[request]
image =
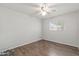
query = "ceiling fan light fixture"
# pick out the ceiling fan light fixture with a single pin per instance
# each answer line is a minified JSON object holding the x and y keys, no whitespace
{"x":43,"y":13}
{"x":44,"y":9}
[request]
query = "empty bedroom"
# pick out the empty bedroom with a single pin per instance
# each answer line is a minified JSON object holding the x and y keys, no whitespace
{"x":39,"y":29}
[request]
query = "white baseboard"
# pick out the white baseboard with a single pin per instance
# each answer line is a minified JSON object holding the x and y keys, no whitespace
{"x":64,"y":43}
{"x":27,"y":42}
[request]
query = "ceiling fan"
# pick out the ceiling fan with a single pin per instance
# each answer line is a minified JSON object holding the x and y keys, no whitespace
{"x":44,"y":9}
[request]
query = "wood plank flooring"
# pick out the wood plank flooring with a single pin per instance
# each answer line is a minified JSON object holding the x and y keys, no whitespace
{"x":46,"y":48}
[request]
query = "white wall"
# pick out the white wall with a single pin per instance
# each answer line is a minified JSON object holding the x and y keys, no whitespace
{"x":17,"y":29}
{"x":69,"y":35}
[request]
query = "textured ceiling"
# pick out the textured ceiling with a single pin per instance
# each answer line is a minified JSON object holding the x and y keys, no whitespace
{"x":33,"y":9}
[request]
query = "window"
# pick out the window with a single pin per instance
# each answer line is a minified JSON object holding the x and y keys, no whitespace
{"x":55,"y":27}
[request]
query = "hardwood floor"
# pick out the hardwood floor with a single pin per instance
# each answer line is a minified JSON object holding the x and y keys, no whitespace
{"x":46,"y":48}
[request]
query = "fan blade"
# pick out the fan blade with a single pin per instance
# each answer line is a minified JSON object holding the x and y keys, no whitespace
{"x":31,"y":4}
{"x":51,"y":5}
